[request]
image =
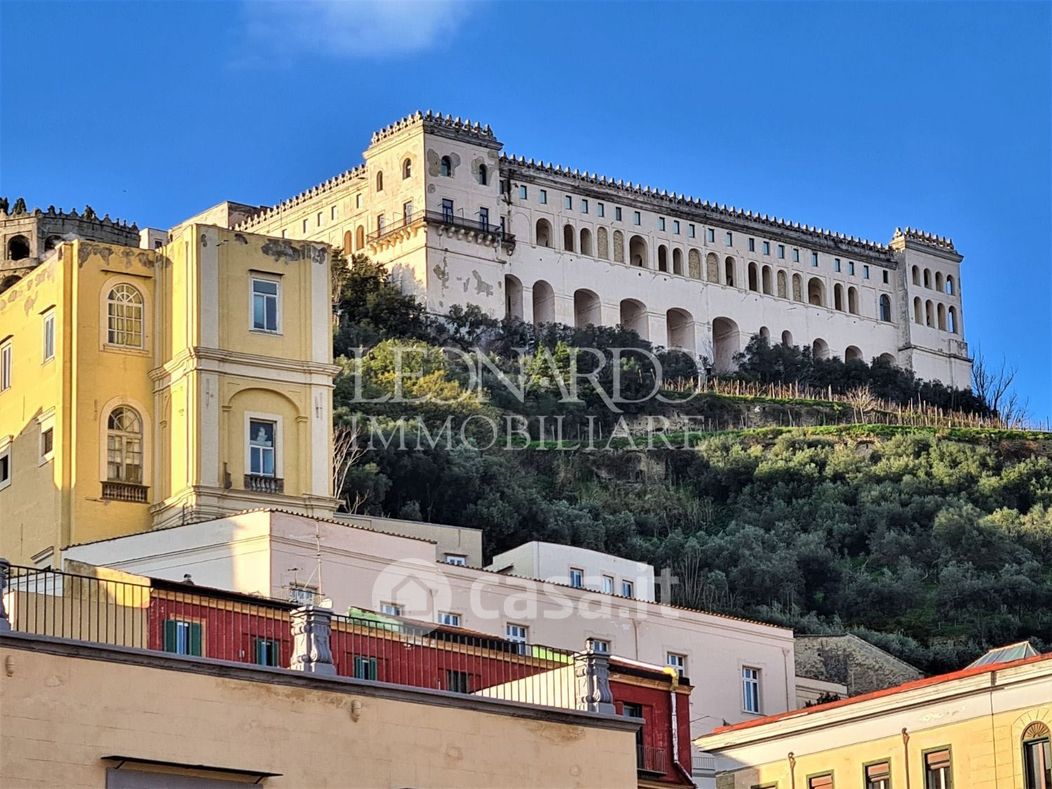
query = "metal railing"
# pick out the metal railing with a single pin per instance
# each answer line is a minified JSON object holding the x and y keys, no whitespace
{"x":124,"y":491}
{"x":261,"y":483}
{"x":179,"y":619}
{"x":495,"y":231}
{"x":399,"y":224}
{"x":651,"y":760}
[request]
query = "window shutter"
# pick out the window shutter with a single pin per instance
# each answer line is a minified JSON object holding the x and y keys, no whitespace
{"x":195,"y":639}
{"x":170,"y":636}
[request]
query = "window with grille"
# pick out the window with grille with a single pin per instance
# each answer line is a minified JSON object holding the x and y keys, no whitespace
{"x":124,"y":446}
{"x":124,"y":316}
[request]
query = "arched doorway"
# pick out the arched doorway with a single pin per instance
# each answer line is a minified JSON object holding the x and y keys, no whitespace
{"x":587,"y":310}
{"x":679,"y":325}
{"x":634,"y":317}
{"x":543,"y":302}
{"x":726,"y":342}
{"x":512,"y":297}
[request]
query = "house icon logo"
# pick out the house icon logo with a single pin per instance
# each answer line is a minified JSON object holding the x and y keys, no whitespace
{"x":416,"y":587}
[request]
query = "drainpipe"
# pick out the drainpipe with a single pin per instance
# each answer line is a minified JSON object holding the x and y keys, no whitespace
{"x":906,"y":754}
{"x":792,"y":770}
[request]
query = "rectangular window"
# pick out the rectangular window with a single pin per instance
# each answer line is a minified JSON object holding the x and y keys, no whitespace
{"x":484,"y":218}
{"x":524,"y":193}
{"x":750,"y":689}
{"x":318,"y":219}
{"x":710,"y":235}
{"x":381,"y":224}
{"x":5,"y":466}
{"x":814,"y":259}
{"x":628,"y":589}
{"x":304,"y":225}
{"x":617,"y":213}
{"x":781,"y":251}
{"x":576,"y":577}
{"x":568,"y":202}
{"x":365,"y":667}
{"x":332,"y":212}
{"x":447,"y":209}
{"x":637,"y":218}
{"x":265,"y":305}
{"x":358,"y":201}
{"x":600,"y":209}
{"x":407,"y":212}
{"x":851,"y":267}
{"x":458,"y":681}
{"x":5,"y":366}
{"x":261,"y":447}
{"x":938,"y":769}
{"x":608,"y":584}
{"x":390,"y":609}
{"x":517,"y":634}
{"x":796,"y":255}
{"x":584,"y":205}
{"x":182,"y":638}
{"x":678,"y":662}
{"x":691,"y":231}
{"x":729,"y":239}
{"x":47,"y":444}
{"x":865,"y":272}
{"x":752,"y":244}
{"x":820,"y":781}
{"x":767,"y":247}
{"x":458,"y":559}
{"x":49,"y":336}
{"x":661,"y":223}
{"x":600,"y":645}
{"x":675,"y":227}
{"x":836,"y":264}
{"x":265,"y":651}
{"x":878,"y":776}
{"x":448,"y":618}
{"x":542,"y":197}
{"x":885,"y":277}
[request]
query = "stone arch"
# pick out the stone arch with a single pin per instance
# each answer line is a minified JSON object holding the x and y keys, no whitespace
{"x":798,"y":288}
{"x":587,"y":310}
{"x":853,"y":354}
{"x":884,"y":308}
{"x":379,"y":180}
{"x":712,"y":267}
{"x":633,"y":315}
{"x":783,"y":285}
{"x":940,"y":312}
{"x":916,"y":275}
{"x":543,"y":236}
{"x":787,"y":338}
{"x":765,"y":333}
{"x":543,"y":302}
{"x":619,"y":247}
{"x":816,"y":292}
{"x":662,"y":257}
{"x":765,"y":280}
{"x":887,"y":358}
{"x":927,"y":278}
{"x":679,"y":326}
{"x":694,"y":264}
{"x":407,"y":168}
{"x":949,"y":285}
{"x":820,"y":349}
{"x":348,"y":242}
{"x":918,"y":311}
{"x":17,"y":247}
{"x":602,"y":242}
{"x":951,"y":321}
{"x":852,"y":300}
{"x":753,"y":277}
{"x":359,"y":238}
{"x":940,"y":282}
{"x":728,"y":267}
{"x":726,"y":343}
{"x":637,"y":252}
{"x":483,"y":175}
{"x":445,"y":167}
{"x":512,"y":297}
{"x":586,"y":241}
{"x":838,"y":297}
{"x":929,"y":313}
{"x":568,"y":237}
{"x":677,"y":261}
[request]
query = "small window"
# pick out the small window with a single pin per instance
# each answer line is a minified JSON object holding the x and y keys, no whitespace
{"x":637,"y":218}
{"x":358,"y":200}
{"x":599,"y":645}
{"x":938,"y":769}
{"x":5,"y":466}
{"x":261,"y":447}
{"x":407,"y":169}
{"x":678,"y":662}
{"x":617,"y":213}
{"x":5,"y":366}
{"x":380,"y":181}
{"x":752,"y":244}
{"x":767,"y":247}
{"x":820,"y":781}
{"x":445,"y":166}
{"x":691,"y":231}
{"x":265,"y":651}
{"x":885,"y":276}
{"x":124,"y":315}
{"x":407,"y":213}
{"x":518,"y":634}
{"x":333,"y":212}
{"x":49,"y":336}
{"x":796,"y":255}
{"x":836,"y":265}
{"x":523,"y":192}
{"x":608,"y":584}
{"x":183,"y":638}
{"x":484,"y":218}
{"x":814,"y":259}
{"x":728,"y":238}
{"x":576,"y":577}
{"x":710,"y":234}
{"x":381,"y":224}
{"x":628,"y":589}
{"x":851,"y":267}
{"x":885,"y":308}
{"x":600,"y":209}
{"x":365,"y":667}
{"x":661,"y":223}
{"x":47,"y":444}
{"x":751,"y":689}
{"x":542,"y":197}
{"x":675,"y":227}
{"x":447,"y":209}
{"x":584,"y":205}
{"x":458,"y":559}
{"x":265,"y":305}
{"x":317,"y":220}
{"x":458,"y":681}
{"x":390,"y":609}
{"x":483,"y":175}
{"x":865,"y":272}
{"x":448,"y":618}
{"x":304,"y":225}
{"x":781,"y":251}
{"x":567,"y":202}
{"x":878,"y":776}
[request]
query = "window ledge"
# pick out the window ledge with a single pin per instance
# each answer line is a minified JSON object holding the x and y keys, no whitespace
{"x":267,"y":332}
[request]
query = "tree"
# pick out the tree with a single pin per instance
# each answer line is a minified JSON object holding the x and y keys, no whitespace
{"x":993,"y":385}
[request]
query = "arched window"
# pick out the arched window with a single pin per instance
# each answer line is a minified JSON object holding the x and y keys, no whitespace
{"x":929,"y":313}
{"x":694,"y":264}
{"x":949,"y":285}
{"x":586,"y":241}
{"x":602,"y":243}
{"x":916,"y":276}
{"x":816,"y":292}
{"x":124,"y":316}
{"x":885,"y":308}
{"x":347,"y":242}
{"x":637,"y":252}
{"x":662,"y":257}
{"x":407,"y":169}
{"x":853,"y":354}
{"x":753,"y":279}
{"x":852,"y":300}
{"x":544,"y":233}
{"x":927,"y":277}
{"x":783,"y":285}
{"x":787,"y":338}
{"x":17,"y":248}
{"x":728,"y":265}
{"x":445,"y":166}
{"x":838,"y":297}
{"x":124,"y":446}
{"x":798,"y":288}
{"x":918,"y":310}
{"x":677,"y":261}
{"x":359,"y":237}
{"x":765,"y":280}
{"x":952,"y":321}
{"x":940,"y":285}
{"x":941,"y":312}
{"x":765,"y":333}
{"x":1037,"y":757}
{"x":820,"y":349}
{"x":712,"y":267}
{"x":568,"y":236}
{"x":483,"y":174}
{"x":619,"y":247}
{"x":380,"y":181}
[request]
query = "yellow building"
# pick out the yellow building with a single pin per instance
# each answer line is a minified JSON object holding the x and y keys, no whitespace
{"x":142,"y":388}
{"x":979,"y":728}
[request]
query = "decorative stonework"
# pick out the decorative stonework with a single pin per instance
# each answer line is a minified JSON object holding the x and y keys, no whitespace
{"x":592,"y":674}
{"x":303,"y":197}
{"x":444,"y":125}
{"x":311,"y":628}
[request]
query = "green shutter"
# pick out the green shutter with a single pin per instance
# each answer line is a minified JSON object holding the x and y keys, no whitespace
{"x":170,"y":636}
{"x":195,"y":638}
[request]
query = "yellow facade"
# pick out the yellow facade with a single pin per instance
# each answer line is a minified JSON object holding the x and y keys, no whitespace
{"x":980,"y":718}
{"x":156,"y":374}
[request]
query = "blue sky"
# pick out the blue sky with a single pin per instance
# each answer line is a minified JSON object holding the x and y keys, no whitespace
{"x":858,"y":117}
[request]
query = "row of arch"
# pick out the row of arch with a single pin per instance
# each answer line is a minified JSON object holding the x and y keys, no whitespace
{"x":19,"y":248}
{"x":935,"y":316}
{"x":445,"y":167}
{"x":924,"y":278}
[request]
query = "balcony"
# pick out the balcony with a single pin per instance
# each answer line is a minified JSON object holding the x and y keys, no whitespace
{"x":651,"y":760}
{"x":486,"y":230}
{"x":403,"y":223}
{"x":124,"y":491}
{"x":258,"y":483}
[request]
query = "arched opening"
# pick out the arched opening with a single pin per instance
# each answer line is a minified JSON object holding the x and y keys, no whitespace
{"x":543,"y":302}
{"x":124,"y":450}
{"x":927,"y":277}
{"x":754,"y":280}
{"x":916,"y":276}
{"x":852,"y":300}
{"x":634,"y":317}
{"x":765,"y":333}
{"x":586,"y":309}
{"x":359,"y":237}
{"x":348,"y":242}
{"x":586,"y":241}
{"x":885,"y":308}
{"x":728,"y":268}
{"x":940,"y":283}
{"x":52,"y":242}
{"x":124,"y":316}
{"x":853,"y":354}
{"x":679,"y":325}
{"x":726,"y":342}
{"x":544,"y":233}
{"x":820,"y":349}
{"x":952,"y":320}
{"x":712,"y":267}
{"x":1037,"y":756}
{"x":512,"y":297}
{"x":787,"y":338}
{"x":887,"y":358}
{"x":949,"y":285}
{"x":602,"y":242}
{"x":694,"y":264}
{"x":918,"y":312}
{"x":407,"y":169}
{"x":816,"y":292}
{"x":929,"y":313}
{"x":483,"y":175}
{"x":783,"y":285}
{"x":380,"y":181}
{"x":662,"y":257}
{"x":798,"y":288}
{"x":445,"y":166}
{"x":941,"y":313}
{"x":765,"y":280}
{"x":619,"y":247}
{"x":637,"y":252}
{"x":838,"y":297}
{"x":17,"y":248}
{"x":677,"y":261}
{"x":568,"y":237}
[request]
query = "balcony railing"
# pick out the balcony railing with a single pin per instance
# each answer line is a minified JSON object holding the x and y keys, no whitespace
{"x":258,"y":483}
{"x":397,"y":225}
{"x":651,"y":760}
{"x":124,"y":491}
{"x":485,"y":227}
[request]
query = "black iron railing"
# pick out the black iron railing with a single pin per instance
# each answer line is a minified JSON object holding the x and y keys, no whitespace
{"x":483,"y":226}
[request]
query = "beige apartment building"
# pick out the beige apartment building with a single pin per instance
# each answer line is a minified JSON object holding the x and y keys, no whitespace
{"x":458,"y":221}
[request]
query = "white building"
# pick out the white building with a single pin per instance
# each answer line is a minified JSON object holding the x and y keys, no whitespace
{"x":459,"y":222}
{"x":578,"y":567}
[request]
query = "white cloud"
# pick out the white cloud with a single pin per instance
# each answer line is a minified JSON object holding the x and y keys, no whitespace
{"x":349,"y":28}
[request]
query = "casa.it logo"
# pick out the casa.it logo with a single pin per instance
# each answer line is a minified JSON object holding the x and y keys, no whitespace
{"x":415,"y":587}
